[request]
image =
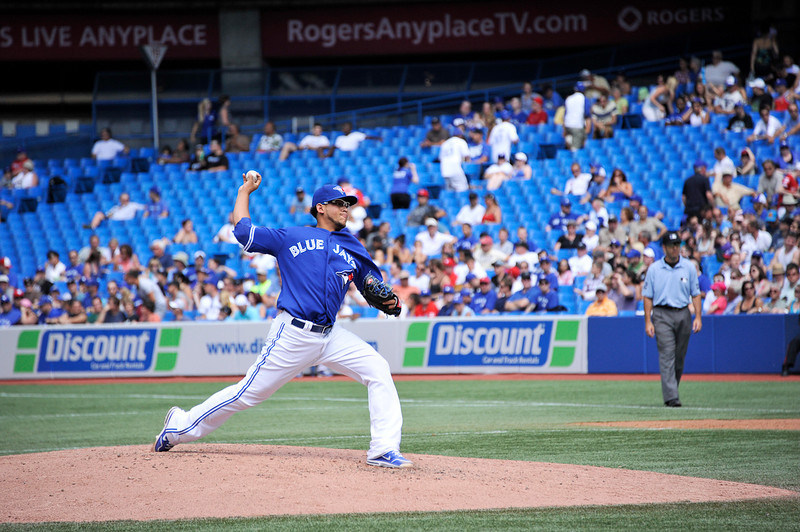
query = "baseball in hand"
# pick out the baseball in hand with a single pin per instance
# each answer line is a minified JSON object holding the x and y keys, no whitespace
{"x":253,"y":176}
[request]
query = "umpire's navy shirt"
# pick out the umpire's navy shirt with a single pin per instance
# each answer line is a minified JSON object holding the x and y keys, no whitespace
{"x":671,"y":286}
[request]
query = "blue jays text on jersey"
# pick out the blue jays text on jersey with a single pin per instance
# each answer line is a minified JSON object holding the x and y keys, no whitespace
{"x":316,"y":266}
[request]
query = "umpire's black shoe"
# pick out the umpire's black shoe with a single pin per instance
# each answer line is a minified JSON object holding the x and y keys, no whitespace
{"x":673,"y":403}
{"x":785,"y":371}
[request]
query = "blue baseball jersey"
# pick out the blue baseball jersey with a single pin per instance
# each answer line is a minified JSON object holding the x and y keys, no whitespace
{"x":559,"y":221}
{"x":481,"y":301}
{"x":546,"y":301}
{"x":401,"y":180}
{"x":317,"y":266}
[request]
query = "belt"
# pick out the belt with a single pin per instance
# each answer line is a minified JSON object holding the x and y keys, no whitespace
{"x":667,"y":307}
{"x":313,"y":327}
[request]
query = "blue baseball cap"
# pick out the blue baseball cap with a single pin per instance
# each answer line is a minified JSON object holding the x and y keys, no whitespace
{"x":757,"y":255}
{"x":565,"y":201}
{"x":448,"y":290}
{"x":580,"y":86}
{"x":633,"y":254}
{"x":425,"y":293}
{"x":470,"y":276}
{"x":505,"y":115}
{"x":465,"y":292}
{"x":5,"y":299}
{"x":326,"y":193}
{"x":44,"y":300}
{"x":458,"y":299}
{"x":698,"y":164}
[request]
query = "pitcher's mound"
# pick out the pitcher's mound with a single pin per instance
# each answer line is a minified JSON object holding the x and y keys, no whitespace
{"x":210,"y":480}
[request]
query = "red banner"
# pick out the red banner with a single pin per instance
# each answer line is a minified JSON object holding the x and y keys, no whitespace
{"x":103,"y":37}
{"x":458,"y":27}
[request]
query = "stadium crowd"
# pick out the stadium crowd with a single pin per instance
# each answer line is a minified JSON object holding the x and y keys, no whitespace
{"x":748,"y":235}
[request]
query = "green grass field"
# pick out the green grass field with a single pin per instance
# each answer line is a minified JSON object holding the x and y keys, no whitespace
{"x":518,"y":420}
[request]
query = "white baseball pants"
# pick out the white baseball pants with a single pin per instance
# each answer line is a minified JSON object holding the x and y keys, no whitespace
{"x":288,"y":350}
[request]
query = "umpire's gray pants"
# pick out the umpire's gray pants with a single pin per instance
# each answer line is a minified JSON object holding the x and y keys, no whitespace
{"x":673,"y":329}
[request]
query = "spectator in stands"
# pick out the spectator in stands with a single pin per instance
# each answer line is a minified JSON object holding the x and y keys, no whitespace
{"x":523,"y":298}
{"x":658,"y":104}
{"x":402,"y":178}
{"x":465,"y":114}
{"x":696,"y":114}
{"x":783,"y":97}
{"x":696,"y":194}
{"x":747,"y":162}
{"x":728,"y":194}
{"x":719,"y":300}
{"x":761,"y":97}
{"x":207,"y":300}
{"x":107,"y":148}
{"x":577,"y":185}
{"x":521,"y":169}
{"x":493,"y":213}
{"x":576,"y":122}
{"x":596,"y":187}
{"x":301,"y":202}
{"x":546,"y":299}
{"x":788,"y":161}
{"x":436,"y":135}
{"x":478,"y":149}
{"x":598,"y":213}
{"x":537,"y":114}
{"x":155,"y":207}
{"x":148,"y":290}
{"x":216,"y":160}
{"x":423,"y":210}
{"x":426,"y":308}
{"x":126,"y":259}
{"x":237,"y":142}
{"x":596,"y":85}
{"x":453,"y":153}
{"x":570,"y":239}
{"x":54,"y":269}
{"x":315,"y":141}
{"x":741,"y":119}
{"x":604,"y":117}
{"x":349,"y":140}
{"x":528,"y":96}
{"x":581,"y":263}
{"x":768,"y":128}
{"x":26,"y":178}
{"x":503,"y":136}
{"x":9,"y":314}
{"x":198,"y":161}
{"x":179,"y":155}
{"x":205,"y":127}
{"x":750,"y":302}
{"x":717,"y":73}
{"x":723,"y":164}
{"x":551,"y":100}
{"x":271,"y":140}
{"x":484,"y":299}
{"x":498,"y":172}
{"x":602,"y":305}
{"x":19,"y":161}
{"x":619,"y":188}
{"x":518,"y":115}
{"x":432,"y":239}
{"x":770,"y":181}
{"x":792,"y":124}
{"x":487,"y":254}
{"x":486,"y":118}
{"x":472,"y":213}
{"x":186,"y":234}
{"x":726,"y":101}
{"x":613,"y":232}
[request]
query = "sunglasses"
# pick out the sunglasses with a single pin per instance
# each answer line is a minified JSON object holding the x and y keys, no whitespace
{"x":338,"y":203}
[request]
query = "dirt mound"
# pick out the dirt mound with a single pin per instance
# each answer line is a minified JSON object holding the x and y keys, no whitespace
{"x":209,"y":480}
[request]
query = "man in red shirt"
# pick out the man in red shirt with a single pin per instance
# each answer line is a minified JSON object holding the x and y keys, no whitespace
{"x":537,"y":115}
{"x":18,"y":163}
{"x":426,"y":308}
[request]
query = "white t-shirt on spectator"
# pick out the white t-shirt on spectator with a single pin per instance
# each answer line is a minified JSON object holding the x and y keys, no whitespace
{"x":452,"y":153}
{"x":500,"y":139}
{"x":313,"y":142}
{"x":575,"y":111}
{"x":716,"y":75}
{"x":23,"y":179}
{"x":54,"y":273}
{"x":349,"y":142}
{"x":209,"y":307}
{"x":432,"y":245}
{"x":772,"y":125}
{"x":725,"y":166}
{"x":104,"y":150}
{"x":471,"y":215}
{"x":121,"y":213}
{"x":505,"y":168}
{"x":147,"y":287}
{"x":578,"y":186}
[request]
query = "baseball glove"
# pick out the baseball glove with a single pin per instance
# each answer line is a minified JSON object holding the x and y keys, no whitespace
{"x":378,"y":294}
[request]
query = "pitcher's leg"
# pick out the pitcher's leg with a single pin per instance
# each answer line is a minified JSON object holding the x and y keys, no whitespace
{"x":285,"y":353}
{"x":352,"y":356}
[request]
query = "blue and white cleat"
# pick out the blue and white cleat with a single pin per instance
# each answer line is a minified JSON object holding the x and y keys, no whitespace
{"x":162,"y":441}
{"x":391,"y":459}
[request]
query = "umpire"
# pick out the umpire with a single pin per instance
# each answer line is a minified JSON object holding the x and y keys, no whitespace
{"x":669,"y":286}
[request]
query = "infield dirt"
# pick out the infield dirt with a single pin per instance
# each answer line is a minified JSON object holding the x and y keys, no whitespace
{"x":214,"y":480}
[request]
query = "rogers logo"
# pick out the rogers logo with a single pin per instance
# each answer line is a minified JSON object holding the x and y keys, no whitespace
{"x":629,"y":19}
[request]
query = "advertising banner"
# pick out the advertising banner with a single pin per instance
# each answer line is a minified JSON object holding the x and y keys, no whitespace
{"x":481,"y":26}
{"x":530,"y":344}
{"x":102,"y":37}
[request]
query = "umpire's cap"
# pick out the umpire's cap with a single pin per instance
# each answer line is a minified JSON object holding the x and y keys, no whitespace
{"x":326,"y":193}
{"x":670,"y":238}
